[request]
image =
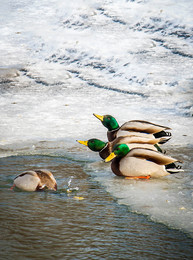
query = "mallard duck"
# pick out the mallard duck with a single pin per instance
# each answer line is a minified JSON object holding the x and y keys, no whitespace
{"x":141,"y":163}
{"x":105,"y":148}
{"x":35,"y":180}
{"x":133,"y":127}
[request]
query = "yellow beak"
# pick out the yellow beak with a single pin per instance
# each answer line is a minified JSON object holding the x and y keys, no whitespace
{"x":83,"y":142}
{"x":110,"y":157}
{"x":99,"y":117}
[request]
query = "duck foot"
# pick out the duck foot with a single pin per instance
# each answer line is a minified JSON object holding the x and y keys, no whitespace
{"x":12,"y":187}
{"x":138,"y":177}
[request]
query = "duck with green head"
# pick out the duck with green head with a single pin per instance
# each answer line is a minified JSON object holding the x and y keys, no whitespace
{"x":97,"y":145}
{"x":133,"y":127}
{"x":139,"y":163}
{"x":105,"y":148}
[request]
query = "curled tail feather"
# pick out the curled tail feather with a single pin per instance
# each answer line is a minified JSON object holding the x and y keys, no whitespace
{"x":173,"y":168}
{"x":162,"y":134}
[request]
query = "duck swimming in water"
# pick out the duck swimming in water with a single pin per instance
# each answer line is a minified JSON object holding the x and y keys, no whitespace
{"x":35,"y":180}
{"x":105,"y":148}
{"x":133,"y":127}
{"x":141,"y":163}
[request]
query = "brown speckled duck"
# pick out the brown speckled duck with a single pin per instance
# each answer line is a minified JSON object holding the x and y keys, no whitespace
{"x":35,"y":180}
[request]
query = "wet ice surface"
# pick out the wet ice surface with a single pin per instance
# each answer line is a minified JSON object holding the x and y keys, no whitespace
{"x":60,"y":62}
{"x":167,"y":200}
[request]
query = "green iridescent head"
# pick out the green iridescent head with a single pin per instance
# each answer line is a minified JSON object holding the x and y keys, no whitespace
{"x":108,"y":121}
{"x":119,"y":150}
{"x":94,"y":144}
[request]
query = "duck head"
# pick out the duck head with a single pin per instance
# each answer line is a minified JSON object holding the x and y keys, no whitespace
{"x":93,"y":144}
{"x":108,"y":121}
{"x":119,"y":150}
{"x":47,"y":180}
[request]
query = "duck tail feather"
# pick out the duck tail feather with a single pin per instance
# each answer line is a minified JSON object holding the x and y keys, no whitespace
{"x":162,"y":134}
{"x":173,"y":168}
{"x":164,"y":140}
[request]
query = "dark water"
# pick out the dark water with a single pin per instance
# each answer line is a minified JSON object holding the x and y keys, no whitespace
{"x":58,"y":225}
